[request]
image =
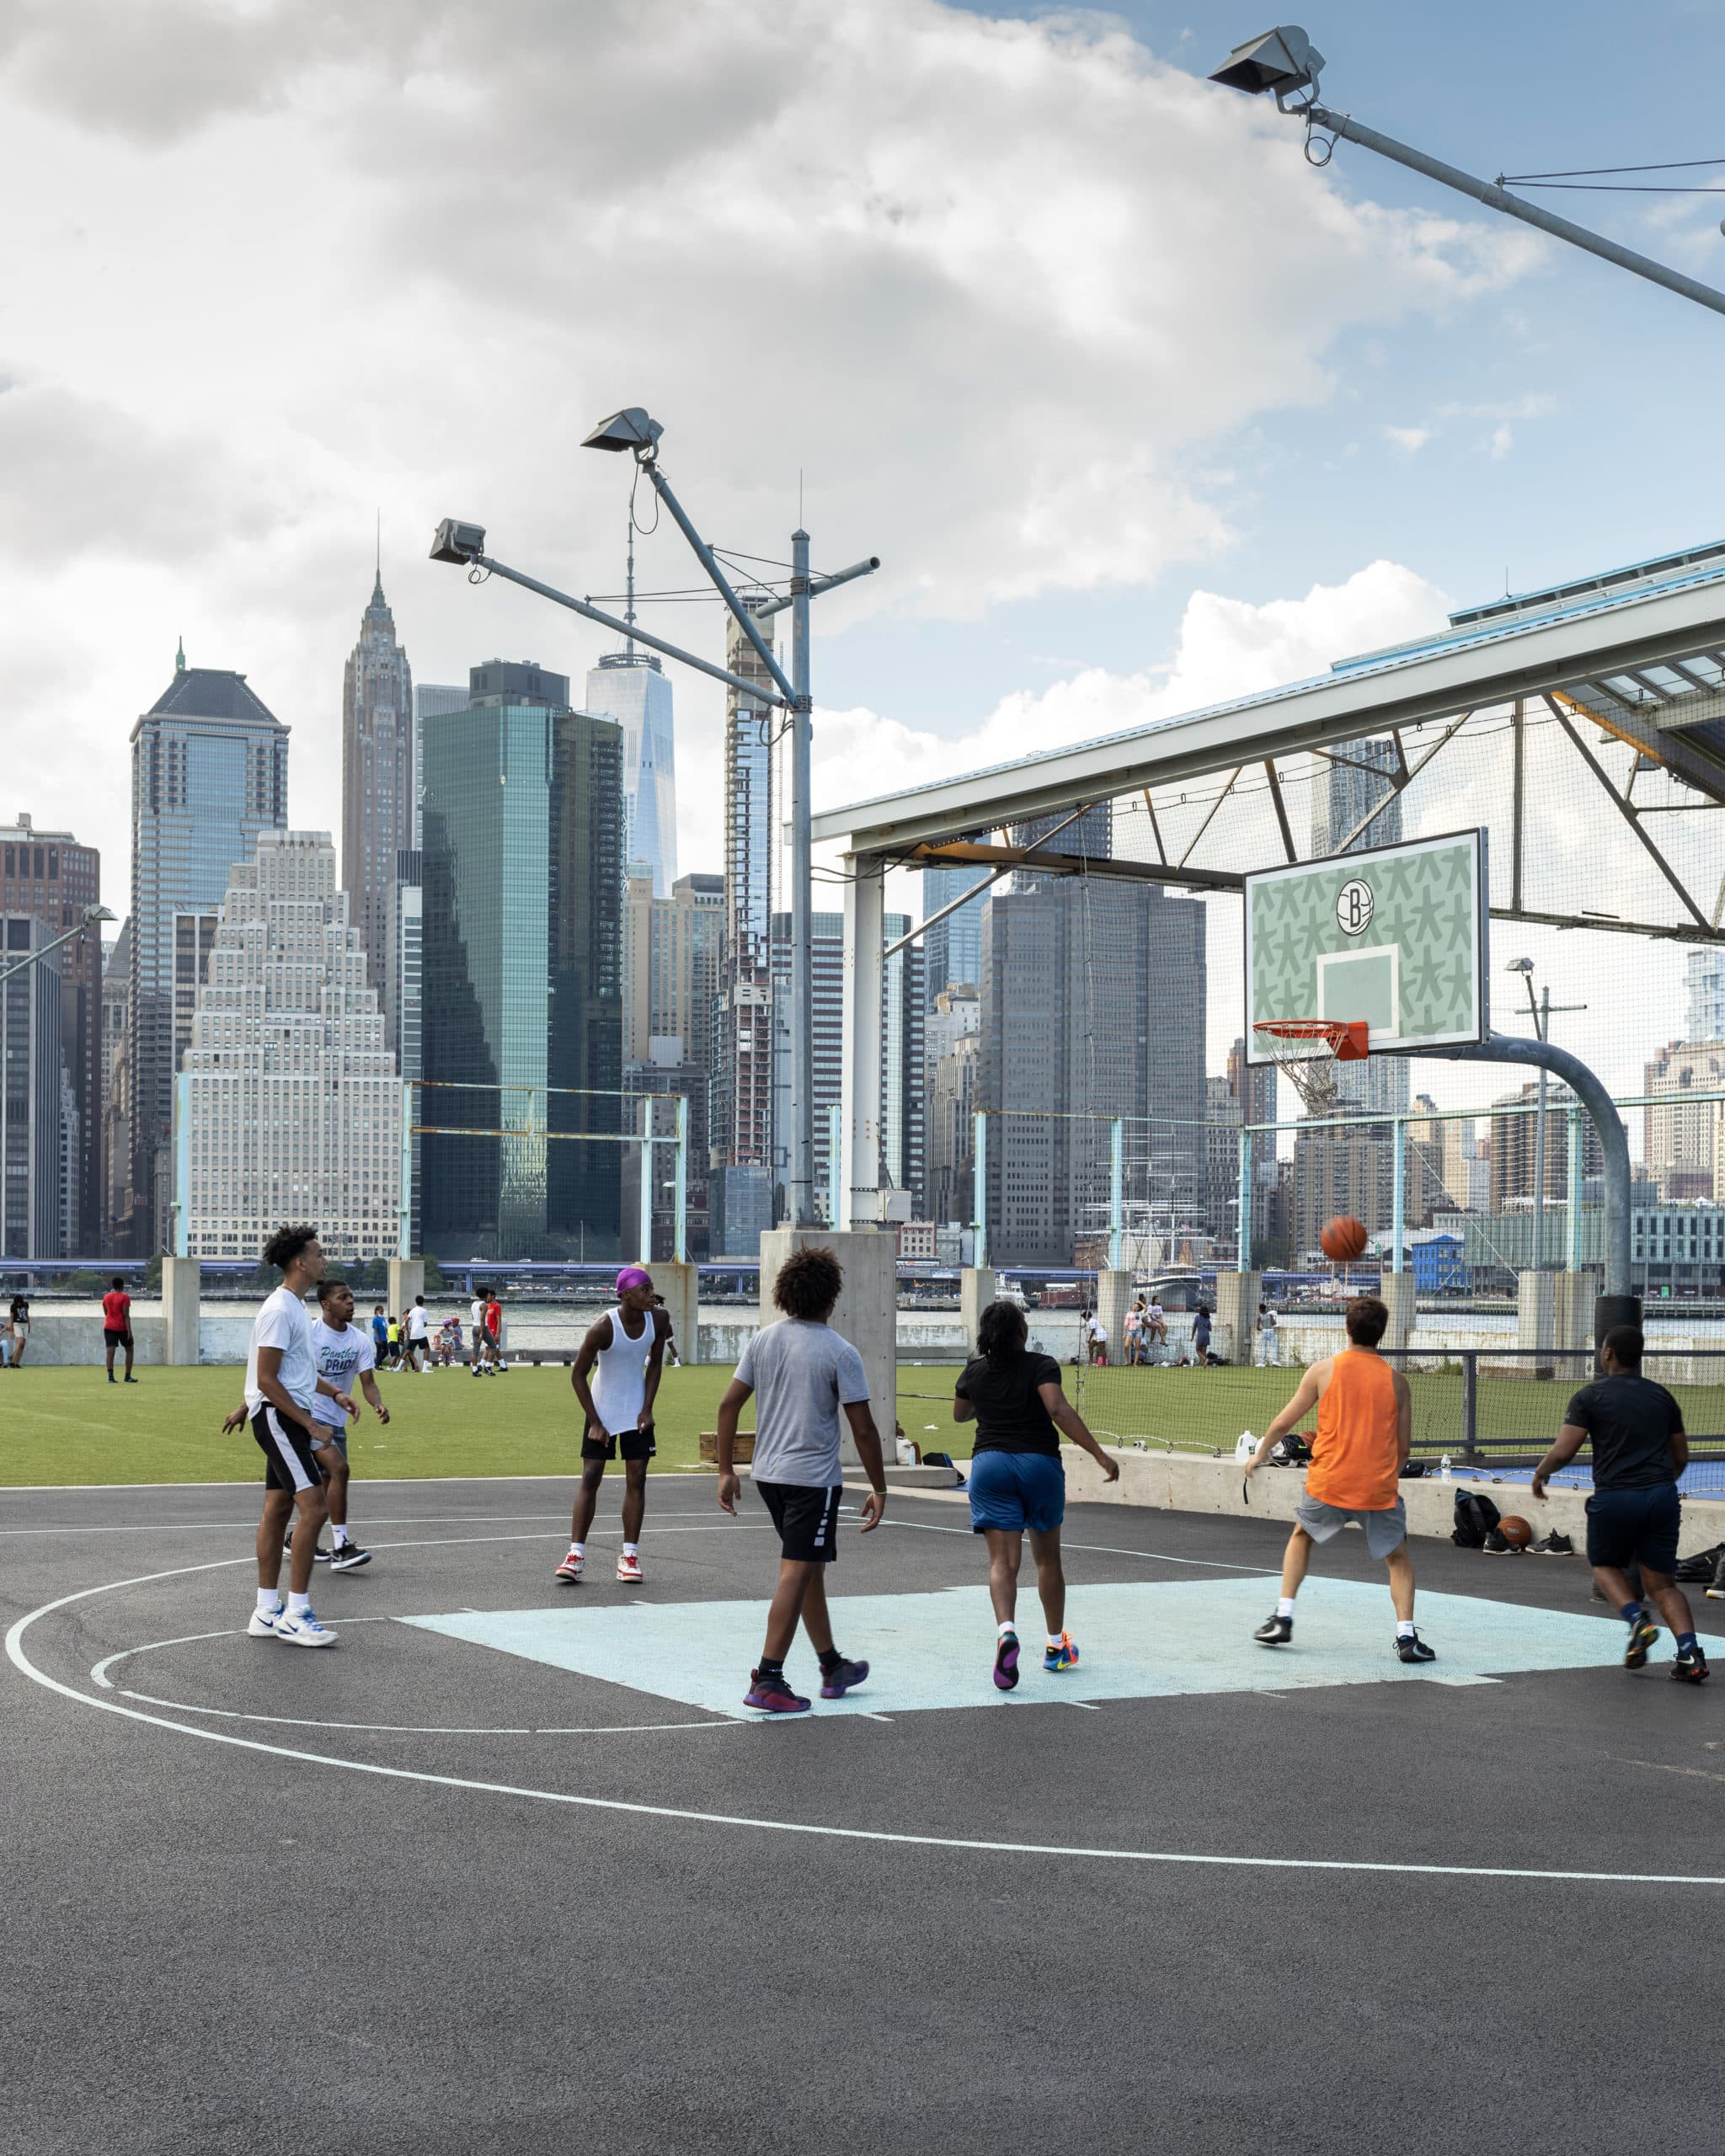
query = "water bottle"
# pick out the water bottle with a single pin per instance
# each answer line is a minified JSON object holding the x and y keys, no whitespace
{"x":1444,"y":1467}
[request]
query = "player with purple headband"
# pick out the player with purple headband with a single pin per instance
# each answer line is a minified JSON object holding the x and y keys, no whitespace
{"x":625,"y":1352}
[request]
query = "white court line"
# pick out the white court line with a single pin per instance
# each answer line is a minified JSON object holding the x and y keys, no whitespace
{"x":434,"y":1729}
{"x":1098,"y":1549}
{"x":250,"y":1526}
{"x":21,"y":1661}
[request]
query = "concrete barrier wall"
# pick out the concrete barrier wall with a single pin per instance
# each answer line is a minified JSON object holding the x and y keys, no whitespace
{"x":1185,"y":1482}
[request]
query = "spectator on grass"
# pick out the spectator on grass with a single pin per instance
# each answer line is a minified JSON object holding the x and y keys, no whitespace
{"x":1200,"y":1337}
{"x":116,"y":1325}
{"x":1134,"y":1333}
{"x":1155,"y":1323}
{"x":1267,"y":1334}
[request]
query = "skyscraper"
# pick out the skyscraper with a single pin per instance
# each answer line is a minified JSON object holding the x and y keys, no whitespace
{"x":209,"y":777}
{"x":903,"y":1065}
{"x":377,"y":787}
{"x":629,"y":685}
{"x":522,"y":990}
{"x":740,"y":1122}
{"x":115,"y":1144}
{"x":33,"y":1207}
{"x":1093,"y":995}
{"x":51,"y":878}
{"x":952,"y":947}
{"x":290,"y":1106}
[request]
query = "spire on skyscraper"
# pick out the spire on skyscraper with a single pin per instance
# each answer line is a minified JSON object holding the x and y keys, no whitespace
{"x":378,"y":600}
{"x":179,"y":658}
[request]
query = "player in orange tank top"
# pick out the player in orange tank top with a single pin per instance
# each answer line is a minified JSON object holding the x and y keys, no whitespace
{"x":1365,"y":1429}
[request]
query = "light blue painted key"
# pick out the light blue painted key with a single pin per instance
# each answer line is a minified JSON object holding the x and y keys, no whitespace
{"x":1138,"y":1640}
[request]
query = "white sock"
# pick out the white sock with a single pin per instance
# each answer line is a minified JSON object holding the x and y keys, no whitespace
{"x":1009,"y":1630}
{"x":578,"y":1549}
{"x":340,"y":1534}
{"x":298,"y":1605}
{"x":269,"y":1598}
{"x":632,"y":1549}
{"x":1284,"y":1607}
{"x":1404,"y":1630}
{"x":1057,"y":1639}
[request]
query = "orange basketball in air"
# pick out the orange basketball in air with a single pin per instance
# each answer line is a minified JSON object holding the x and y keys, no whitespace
{"x":1515,"y":1530}
{"x":1343,"y":1239}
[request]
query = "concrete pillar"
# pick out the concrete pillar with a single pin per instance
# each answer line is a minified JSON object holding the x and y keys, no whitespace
{"x":1237,"y":1298}
{"x":1536,"y":1310}
{"x":979,"y":1285}
{"x":1114,"y":1298}
{"x":1572,"y":1324}
{"x":681,"y":1287}
{"x":407,"y":1278}
{"x":180,"y":1311}
{"x":1398,"y":1294}
{"x":868,"y":1312}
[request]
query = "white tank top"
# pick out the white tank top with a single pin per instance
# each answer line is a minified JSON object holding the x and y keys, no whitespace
{"x":619,"y":1384}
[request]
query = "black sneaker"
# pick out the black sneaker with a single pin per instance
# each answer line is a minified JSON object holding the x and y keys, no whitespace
{"x":347,"y":1557}
{"x":1642,"y":1633}
{"x":1497,"y":1546}
{"x":1554,"y":1545}
{"x":1716,"y":1592}
{"x":1410,"y":1647}
{"x":1274,"y":1632}
{"x":1691,"y":1666}
{"x":320,"y":1555}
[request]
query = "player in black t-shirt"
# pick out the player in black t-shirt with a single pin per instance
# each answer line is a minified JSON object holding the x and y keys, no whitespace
{"x":1017,"y":1480}
{"x":1640,"y":1449}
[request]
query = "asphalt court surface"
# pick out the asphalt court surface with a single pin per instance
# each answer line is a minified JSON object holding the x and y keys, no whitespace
{"x":513,"y":1862}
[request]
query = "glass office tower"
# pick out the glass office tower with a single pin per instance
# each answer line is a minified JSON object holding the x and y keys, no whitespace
{"x":209,"y":777}
{"x":521,"y":1024}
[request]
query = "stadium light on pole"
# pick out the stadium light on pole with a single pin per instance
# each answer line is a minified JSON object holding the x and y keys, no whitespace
{"x":90,"y":917}
{"x":1283,"y":61}
{"x":634,"y":432}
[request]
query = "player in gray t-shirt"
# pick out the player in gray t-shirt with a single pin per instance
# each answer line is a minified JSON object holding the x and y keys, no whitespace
{"x":804,"y":1374}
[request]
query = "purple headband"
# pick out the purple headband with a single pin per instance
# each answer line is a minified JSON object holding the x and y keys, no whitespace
{"x":633,"y":1275}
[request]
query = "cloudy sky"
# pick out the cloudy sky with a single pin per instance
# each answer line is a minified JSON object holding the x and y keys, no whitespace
{"x":1137,"y":409}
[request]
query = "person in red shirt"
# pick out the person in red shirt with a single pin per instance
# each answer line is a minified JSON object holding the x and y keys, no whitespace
{"x":494,"y":1328}
{"x":116,"y":1326}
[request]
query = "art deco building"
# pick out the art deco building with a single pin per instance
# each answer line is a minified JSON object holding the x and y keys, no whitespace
{"x":377,"y":784}
{"x":289,"y":1105}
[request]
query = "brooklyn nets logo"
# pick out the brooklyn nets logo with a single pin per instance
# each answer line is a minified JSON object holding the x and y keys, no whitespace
{"x":1353,"y":908}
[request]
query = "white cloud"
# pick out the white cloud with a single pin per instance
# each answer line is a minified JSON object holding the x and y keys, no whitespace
{"x":997,"y":287}
{"x":1410,"y":440}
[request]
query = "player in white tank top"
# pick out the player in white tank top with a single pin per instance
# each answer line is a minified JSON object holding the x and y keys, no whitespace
{"x":624,"y":1366}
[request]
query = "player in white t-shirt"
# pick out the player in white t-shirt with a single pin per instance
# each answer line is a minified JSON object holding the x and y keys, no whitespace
{"x":416,"y":1336}
{"x":282,"y":1384}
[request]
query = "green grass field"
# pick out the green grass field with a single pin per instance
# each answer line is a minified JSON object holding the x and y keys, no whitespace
{"x":71,"y":1426}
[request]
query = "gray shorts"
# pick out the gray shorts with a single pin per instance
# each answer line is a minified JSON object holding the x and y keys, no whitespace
{"x":1385,"y":1531}
{"x":324,"y":1433}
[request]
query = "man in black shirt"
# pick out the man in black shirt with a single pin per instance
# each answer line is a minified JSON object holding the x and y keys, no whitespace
{"x":1640,"y":1449}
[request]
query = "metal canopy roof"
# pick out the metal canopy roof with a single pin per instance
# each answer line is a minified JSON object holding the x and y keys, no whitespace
{"x":1639,"y":651}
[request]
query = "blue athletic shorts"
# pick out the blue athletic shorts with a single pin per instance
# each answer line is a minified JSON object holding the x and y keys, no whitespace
{"x":1016,"y":1490}
{"x":1634,"y":1527}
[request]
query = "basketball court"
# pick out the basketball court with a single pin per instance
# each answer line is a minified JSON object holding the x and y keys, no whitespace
{"x":514,"y":1863}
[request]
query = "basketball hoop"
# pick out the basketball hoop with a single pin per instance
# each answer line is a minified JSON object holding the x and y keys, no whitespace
{"x":1306,"y":1051}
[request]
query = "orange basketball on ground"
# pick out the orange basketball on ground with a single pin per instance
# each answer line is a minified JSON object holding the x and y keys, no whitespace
{"x":1515,"y":1530}
{"x":1343,"y":1239}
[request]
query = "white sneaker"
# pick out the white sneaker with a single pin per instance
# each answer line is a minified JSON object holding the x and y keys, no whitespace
{"x":303,"y":1632}
{"x":264,"y":1622}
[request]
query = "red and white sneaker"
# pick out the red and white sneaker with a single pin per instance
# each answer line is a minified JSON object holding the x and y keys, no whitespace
{"x":570,"y":1569}
{"x":628,"y":1567}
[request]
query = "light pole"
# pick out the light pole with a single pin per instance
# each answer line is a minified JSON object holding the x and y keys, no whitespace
{"x":1541,"y":1007}
{"x":88,"y":919}
{"x":634,"y":432}
{"x":1283,"y":61}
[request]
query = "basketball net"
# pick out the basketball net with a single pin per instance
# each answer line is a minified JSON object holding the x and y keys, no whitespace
{"x":1306,"y":1051}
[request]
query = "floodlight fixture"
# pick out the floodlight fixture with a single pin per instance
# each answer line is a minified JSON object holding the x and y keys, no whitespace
{"x":1283,"y":60}
{"x":92,"y":915}
{"x":631,"y":429}
{"x":456,"y":542}
{"x":1519,"y":966}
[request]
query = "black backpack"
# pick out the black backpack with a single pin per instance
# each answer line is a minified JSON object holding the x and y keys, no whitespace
{"x":1475,"y":1516}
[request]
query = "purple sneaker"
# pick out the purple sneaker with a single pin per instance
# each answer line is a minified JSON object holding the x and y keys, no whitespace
{"x":1005,"y":1663}
{"x":845,"y":1679}
{"x":773,"y":1695}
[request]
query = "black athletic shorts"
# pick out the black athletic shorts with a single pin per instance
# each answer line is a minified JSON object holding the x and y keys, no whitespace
{"x":632,"y":1444}
{"x":1634,"y":1527}
{"x":115,"y":1339}
{"x":807,"y":1520}
{"x":287,"y":1449}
